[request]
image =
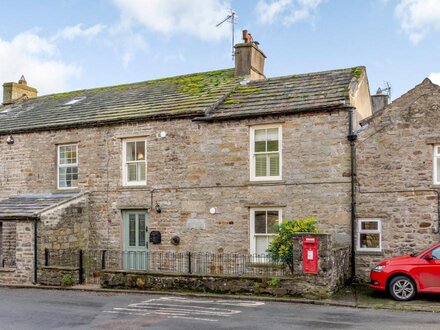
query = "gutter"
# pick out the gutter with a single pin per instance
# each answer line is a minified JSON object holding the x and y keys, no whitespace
{"x":352,"y":138}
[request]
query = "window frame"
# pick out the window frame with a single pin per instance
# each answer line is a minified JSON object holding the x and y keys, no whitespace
{"x":435,"y":157}
{"x":125,"y":181}
{"x":252,"y":234}
{"x":252,"y":153}
{"x":59,"y":146}
{"x":369,"y":231}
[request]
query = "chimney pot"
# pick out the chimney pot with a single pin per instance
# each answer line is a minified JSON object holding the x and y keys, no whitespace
{"x":22,"y":80}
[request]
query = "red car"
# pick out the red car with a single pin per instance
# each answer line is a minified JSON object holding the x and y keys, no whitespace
{"x":404,"y":277}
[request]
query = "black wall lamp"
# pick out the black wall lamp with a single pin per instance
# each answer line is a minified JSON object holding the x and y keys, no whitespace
{"x":10,"y":140}
{"x":157,"y":207}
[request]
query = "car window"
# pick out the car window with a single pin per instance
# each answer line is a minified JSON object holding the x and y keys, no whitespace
{"x":436,"y":253}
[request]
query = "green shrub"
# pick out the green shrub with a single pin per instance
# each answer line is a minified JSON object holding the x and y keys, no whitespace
{"x":67,"y":280}
{"x":281,"y":247}
{"x":274,"y":282}
{"x":140,"y":283}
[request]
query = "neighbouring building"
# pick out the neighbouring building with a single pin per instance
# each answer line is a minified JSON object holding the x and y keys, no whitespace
{"x":209,"y":160}
{"x":398,"y":177}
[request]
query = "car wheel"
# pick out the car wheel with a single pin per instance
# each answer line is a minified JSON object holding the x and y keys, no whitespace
{"x":402,"y":288}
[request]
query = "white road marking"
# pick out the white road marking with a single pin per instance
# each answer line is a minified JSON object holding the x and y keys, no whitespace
{"x":185,"y":308}
{"x":193,"y":318}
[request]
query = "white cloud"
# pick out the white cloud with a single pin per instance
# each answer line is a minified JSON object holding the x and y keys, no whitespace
{"x":435,"y":77}
{"x":126,"y":42}
{"x":196,"y":18}
{"x":287,"y":12}
{"x":36,"y":58}
{"x":418,"y":18}
{"x":72,"y":32}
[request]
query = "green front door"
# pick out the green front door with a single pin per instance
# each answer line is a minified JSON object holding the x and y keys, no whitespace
{"x":135,"y":254}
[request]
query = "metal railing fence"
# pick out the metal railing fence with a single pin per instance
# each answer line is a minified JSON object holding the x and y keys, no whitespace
{"x":92,"y":262}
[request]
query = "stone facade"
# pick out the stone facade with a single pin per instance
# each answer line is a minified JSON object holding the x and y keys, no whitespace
{"x":395,"y":174}
{"x":195,"y":167}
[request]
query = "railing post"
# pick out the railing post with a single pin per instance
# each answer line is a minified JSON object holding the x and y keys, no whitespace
{"x":81,"y":268}
{"x":189,"y":263}
{"x":46,"y":257}
{"x":103,"y":259}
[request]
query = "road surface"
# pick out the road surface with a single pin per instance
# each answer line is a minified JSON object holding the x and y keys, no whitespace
{"x":52,"y":309}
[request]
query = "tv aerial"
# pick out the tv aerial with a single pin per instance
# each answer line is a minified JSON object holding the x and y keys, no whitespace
{"x":231,"y":18}
{"x":385,"y":90}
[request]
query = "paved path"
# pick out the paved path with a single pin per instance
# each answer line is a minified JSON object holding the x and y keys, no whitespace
{"x":52,"y":309}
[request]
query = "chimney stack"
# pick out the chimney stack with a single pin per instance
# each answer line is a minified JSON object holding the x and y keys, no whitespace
{"x":379,"y":101}
{"x":14,"y":91}
{"x":249,"y":59}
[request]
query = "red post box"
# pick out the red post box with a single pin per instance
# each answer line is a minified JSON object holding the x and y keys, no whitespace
{"x":310,"y":255}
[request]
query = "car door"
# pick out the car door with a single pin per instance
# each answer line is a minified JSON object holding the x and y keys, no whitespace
{"x":428,"y":272}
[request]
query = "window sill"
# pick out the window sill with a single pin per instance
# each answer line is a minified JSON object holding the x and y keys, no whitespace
{"x":369,"y":253}
{"x":265,"y":182}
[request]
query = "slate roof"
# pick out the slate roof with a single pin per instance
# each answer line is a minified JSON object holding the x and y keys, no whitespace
{"x":188,"y":95}
{"x":290,"y":94}
{"x":214,"y":95}
{"x":28,"y":207}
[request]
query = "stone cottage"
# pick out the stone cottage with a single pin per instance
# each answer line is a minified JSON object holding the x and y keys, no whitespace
{"x":398,"y":177}
{"x":208,"y":160}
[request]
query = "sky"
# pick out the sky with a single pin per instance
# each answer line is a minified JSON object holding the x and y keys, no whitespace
{"x":63,"y":45}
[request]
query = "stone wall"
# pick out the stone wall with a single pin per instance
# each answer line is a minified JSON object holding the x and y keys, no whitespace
{"x":195,"y":167}
{"x":333,"y":273}
{"x":8,"y":244}
{"x":395,"y":175}
{"x":66,"y":226}
{"x":22,"y":271}
{"x":55,"y":275}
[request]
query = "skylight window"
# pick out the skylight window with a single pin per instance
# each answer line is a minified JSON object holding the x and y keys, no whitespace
{"x":5,"y":111}
{"x":75,"y":100}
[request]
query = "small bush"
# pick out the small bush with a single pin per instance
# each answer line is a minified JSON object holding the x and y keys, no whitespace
{"x":274,"y":282}
{"x":140,"y":283}
{"x":67,"y":280}
{"x":281,"y":247}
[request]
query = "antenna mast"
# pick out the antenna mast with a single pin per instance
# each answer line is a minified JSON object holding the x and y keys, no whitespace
{"x":387,"y":89}
{"x":231,"y":18}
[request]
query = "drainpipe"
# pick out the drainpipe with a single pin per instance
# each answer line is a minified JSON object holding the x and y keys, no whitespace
{"x":352,"y":138}
{"x":35,"y":250}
